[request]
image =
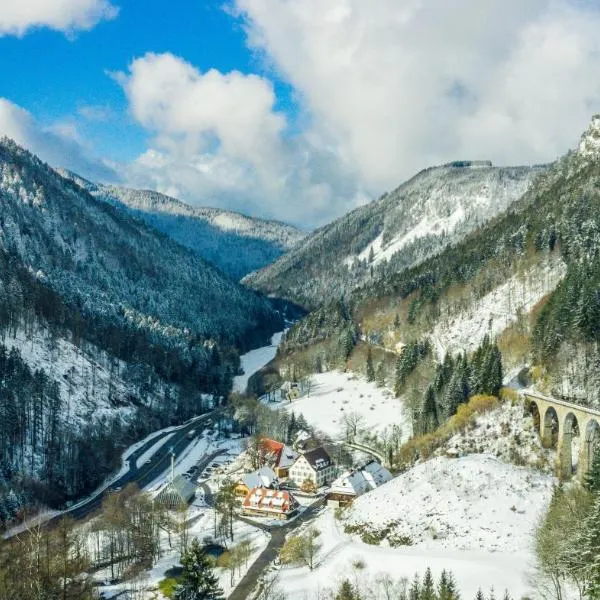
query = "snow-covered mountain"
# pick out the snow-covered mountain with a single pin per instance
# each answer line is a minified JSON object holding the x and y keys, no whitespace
{"x":527,"y":279}
{"x":108,"y":329}
{"x":437,"y":207}
{"x":236,"y":243}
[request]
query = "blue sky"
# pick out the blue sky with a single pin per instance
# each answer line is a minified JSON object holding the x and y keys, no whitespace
{"x":56,"y":75}
{"x":295,"y":109}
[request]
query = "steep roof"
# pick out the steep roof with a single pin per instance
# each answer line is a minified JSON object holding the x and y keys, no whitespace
{"x":359,"y":481}
{"x":275,"y":501}
{"x":287,"y":457}
{"x":271,"y":449}
{"x":180,"y":488}
{"x":318,"y":459}
{"x":264,"y":477}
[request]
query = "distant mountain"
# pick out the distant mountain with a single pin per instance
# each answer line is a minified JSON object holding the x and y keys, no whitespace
{"x":235,"y":243}
{"x":528,"y":280}
{"x":437,"y":207}
{"x":108,"y":329}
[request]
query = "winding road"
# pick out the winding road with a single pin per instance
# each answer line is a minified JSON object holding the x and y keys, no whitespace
{"x":141,"y":475}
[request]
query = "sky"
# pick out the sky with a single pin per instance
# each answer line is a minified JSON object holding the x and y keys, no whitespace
{"x":299,"y":110}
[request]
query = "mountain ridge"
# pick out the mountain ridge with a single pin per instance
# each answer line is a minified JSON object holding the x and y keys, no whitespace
{"x":236,"y":243}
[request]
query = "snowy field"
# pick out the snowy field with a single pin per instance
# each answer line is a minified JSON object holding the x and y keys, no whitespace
{"x":340,"y":553}
{"x":472,"y":503}
{"x":255,"y":360}
{"x":335,"y":394}
{"x":473,"y":516}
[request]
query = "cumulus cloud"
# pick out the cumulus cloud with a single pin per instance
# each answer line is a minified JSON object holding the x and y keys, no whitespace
{"x":17,"y":17}
{"x":394,"y":86}
{"x":58,"y":145}
{"x":218,"y":140}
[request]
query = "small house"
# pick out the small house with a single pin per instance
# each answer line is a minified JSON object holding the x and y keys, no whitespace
{"x":265,"y":477}
{"x":278,"y":456}
{"x":354,"y":483}
{"x":278,"y":504}
{"x":177,"y":492}
{"x":315,"y":465}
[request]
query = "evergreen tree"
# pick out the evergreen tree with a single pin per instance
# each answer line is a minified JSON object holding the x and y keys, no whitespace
{"x":590,"y":551}
{"x":415,"y":589}
{"x":479,"y":595}
{"x":447,"y":589}
{"x":430,"y":419}
{"x":592,"y":479}
{"x":346,"y":592}
{"x":380,"y":375}
{"x":428,"y":587}
{"x":198,"y":580}
{"x":369,"y":369}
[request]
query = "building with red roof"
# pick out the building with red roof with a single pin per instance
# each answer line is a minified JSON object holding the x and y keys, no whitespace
{"x":277,"y":504}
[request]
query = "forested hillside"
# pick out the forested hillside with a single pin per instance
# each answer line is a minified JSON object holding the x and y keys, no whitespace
{"x":109,"y":330}
{"x":528,"y":280}
{"x":437,"y":207}
{"x":235,"y":243}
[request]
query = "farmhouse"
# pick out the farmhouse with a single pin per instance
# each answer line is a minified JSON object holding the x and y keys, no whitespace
{"x":277,"y":455}
{"x":263,"y":478}
{"x":277,"y":504}
{"x":315,"y":466}
{"x":354,"y":483}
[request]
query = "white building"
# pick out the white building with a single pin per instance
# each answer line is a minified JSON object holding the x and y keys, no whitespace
{"x":354,"y":483}
{"x":315,"y":465}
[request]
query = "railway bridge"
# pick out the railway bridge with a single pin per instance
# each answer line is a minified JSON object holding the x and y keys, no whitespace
{"x":572,"y":429}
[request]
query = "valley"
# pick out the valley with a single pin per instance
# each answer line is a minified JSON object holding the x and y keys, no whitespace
{"x":393,"y":437}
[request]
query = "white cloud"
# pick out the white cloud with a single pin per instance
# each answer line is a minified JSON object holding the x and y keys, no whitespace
{"x":59,"y":145}
{"x":393,"y":86}
{"x":218,"y":140}
{"x":17,"y":17}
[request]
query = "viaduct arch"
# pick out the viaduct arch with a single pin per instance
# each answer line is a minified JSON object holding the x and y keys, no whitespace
{"x":558,"y":423}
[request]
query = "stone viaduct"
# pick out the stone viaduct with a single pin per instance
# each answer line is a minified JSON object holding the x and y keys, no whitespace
{"x":572,"y":429}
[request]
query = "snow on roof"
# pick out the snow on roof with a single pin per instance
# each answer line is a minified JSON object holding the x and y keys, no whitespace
{"x":359,"y":481}
{"x":270,"y":500}
{"x":287,"y":458}
{"x":318,"y":459}
{"x":264,"y":477}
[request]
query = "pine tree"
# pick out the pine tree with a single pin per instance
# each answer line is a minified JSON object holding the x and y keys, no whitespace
{"x":592,"y":479}
{"x":380,"y":375}
{"x":447,"y":589}
{"x":430,"y":414}
{"x":590,"y":551}
{"x":479,"y":595}
{"x":415,"y":589}
{"x":370,"y":371}
{"x":198,"y":580}
{"x":346,"y":592}
{"x":428,"y":587}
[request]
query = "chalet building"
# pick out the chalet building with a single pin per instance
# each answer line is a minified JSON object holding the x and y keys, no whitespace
{"x":263,"y":478}
{"x":277,"y":504}
{"x":177,"y":492}
{"x":315,"y":465}
{"x":355,"y":483}
{"x":278,"y":456}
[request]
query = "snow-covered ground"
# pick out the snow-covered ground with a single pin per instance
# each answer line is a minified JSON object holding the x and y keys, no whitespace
{"x":334,"y":395}
{"x":505,"y":433}
{"x":84,"y":374}
{"x":203,"y":527}
{"x":340,"y":553}
{"x":255,"y":360}
{"x":498,"y":309}
{"x":471,"y":503}
{"x":474,"y":516}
